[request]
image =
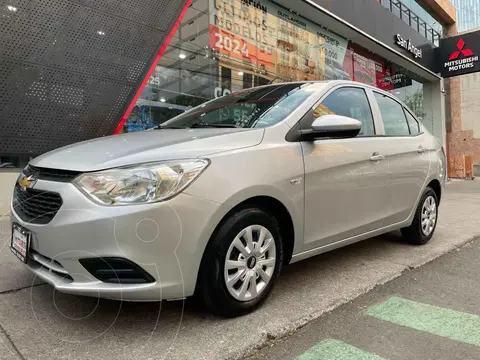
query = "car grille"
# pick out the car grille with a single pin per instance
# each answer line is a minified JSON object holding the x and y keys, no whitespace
{"x":36,"y":206}
{"x":51,"y":174}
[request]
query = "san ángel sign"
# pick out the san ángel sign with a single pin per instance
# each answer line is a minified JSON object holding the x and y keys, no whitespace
{"x":407,"y":45}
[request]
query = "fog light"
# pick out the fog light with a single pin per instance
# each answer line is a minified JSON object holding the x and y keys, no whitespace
{"x":116,"y":271}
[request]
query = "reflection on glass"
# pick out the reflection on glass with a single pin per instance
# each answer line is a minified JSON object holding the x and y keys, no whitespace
{"x":394,"y":120}
{"x":349,"y":102}
{"x":251,"y":108}
{"x":222,"y":47}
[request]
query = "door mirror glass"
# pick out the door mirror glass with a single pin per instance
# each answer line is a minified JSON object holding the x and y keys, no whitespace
{"x":335,"y":126}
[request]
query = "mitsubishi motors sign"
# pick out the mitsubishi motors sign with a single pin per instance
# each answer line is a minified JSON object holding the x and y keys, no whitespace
{"x":459,"y":55}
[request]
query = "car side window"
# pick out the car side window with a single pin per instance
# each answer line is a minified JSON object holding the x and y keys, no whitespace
{"x":394,"y":120}
{"x":351,"y":102}
{"x":413,"y":124}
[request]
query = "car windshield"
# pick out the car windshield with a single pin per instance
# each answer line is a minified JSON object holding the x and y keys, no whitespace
{"x":251,"y":108}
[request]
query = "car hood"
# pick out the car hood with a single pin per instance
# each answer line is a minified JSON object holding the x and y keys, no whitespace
{"x":147,"y":146}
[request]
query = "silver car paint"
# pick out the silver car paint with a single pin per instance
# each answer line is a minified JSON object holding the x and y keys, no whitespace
{"x":147,"y":146}
{"x":163,"y":238}
{"x":334,"y":193}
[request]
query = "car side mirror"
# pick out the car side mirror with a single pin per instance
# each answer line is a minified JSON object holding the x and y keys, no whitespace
{"x":333,"y":126}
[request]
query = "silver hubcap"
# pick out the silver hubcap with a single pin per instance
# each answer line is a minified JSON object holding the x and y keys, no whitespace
{"x":250,"y":263}
{"x":429,"y":215}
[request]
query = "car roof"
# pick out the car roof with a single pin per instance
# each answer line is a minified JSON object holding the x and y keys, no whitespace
{"x":331,"y":83}
{"x":334,"y":83}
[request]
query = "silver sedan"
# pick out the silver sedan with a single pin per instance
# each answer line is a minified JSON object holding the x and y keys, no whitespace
{"x":216,"y":200}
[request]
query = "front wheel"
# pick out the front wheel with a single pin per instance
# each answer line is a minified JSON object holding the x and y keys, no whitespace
{"x":241,"y":263}
{"x":425,"y":220}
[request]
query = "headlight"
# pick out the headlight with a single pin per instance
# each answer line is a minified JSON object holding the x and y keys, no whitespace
{"x":140,"y":184}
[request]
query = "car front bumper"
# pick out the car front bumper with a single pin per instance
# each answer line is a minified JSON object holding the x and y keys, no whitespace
{"x":165,"y":239}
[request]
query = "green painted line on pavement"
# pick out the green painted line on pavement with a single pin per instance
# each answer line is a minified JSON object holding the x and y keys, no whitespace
{"x":448,"y":323}
{"x":336,"y":350}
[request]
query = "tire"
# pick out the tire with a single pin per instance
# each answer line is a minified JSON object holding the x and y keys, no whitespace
{"x":238,"y":298}
{"x":416,"y":234}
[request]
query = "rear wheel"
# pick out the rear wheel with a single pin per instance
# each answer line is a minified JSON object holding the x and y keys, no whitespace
{"x":241,"y":263}
{"x":425,"y":220}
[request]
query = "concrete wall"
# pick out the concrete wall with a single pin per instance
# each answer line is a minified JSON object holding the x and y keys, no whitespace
{"x":7,"y":181}
{"x":443,"y":9}
{"x":469,"y":95}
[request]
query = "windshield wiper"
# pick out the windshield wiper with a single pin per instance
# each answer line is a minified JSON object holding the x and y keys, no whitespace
{"x":203,"y":125}
{"x":160,"y":127}
{"x":197,"y":125}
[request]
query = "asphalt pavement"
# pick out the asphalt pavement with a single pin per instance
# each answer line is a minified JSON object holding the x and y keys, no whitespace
{"x":428,"y":313}
{"x":37,"y":322}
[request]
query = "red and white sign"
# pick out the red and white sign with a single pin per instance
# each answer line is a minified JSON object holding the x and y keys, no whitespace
{"x":235,"y":46}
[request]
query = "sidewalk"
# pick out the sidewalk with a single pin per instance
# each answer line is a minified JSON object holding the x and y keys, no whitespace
{"x":42,"y":323}
{"x":428,"y":313}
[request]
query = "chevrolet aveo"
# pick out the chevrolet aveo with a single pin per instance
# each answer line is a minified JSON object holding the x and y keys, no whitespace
{"x":214,"y":201}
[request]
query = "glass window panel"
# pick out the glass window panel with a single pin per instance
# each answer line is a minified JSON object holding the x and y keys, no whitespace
{"x":386,"y":3}
{"x":349,"y":102}
{"x":412,"y":124}
{"x":393,"y":116}
{"x":406,"y":15}
{"x":414,"y":24}
{"x":423,"y":29}
{"x":396,"y":8}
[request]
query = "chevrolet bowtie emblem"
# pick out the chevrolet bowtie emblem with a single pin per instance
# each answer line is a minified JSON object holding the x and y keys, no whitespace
{"x":26,"y":182}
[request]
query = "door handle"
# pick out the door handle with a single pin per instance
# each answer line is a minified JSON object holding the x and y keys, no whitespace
{"x":421,"y":149}
{"x":377,"y":157}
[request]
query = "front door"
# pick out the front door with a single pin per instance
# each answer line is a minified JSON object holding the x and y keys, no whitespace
{"x":345,"y":179}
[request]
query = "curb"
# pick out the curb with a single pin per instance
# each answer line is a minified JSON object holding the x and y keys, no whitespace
{"x":269,"y":338}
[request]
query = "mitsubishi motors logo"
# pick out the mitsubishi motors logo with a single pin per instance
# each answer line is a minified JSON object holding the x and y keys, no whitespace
{"x":456,"y":62}
{"x":461,"y":50}
{"x":458,"y":55}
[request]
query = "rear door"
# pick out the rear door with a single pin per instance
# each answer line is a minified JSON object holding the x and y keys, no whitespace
{"x":345,"y":179}
{"x":407,"y":154}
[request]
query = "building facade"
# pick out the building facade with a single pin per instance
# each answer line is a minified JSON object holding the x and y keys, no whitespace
{"x":463,"y":92}
{"x":222,"y":46}
{"x":463,"y":123}
{"x":468,"y":14}
{"x":228,"y":45}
